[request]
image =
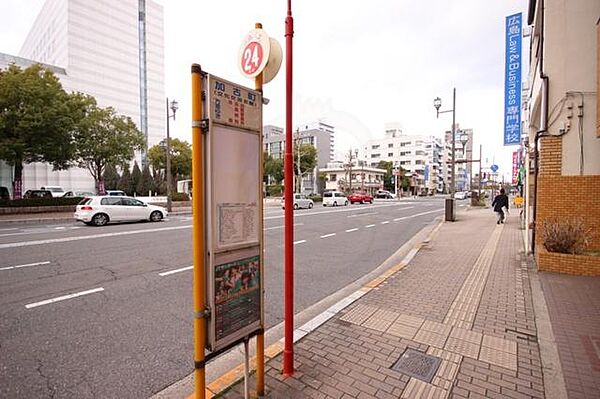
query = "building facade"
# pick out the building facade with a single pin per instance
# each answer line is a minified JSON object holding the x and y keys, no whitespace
{"x":98,"y":49}
{"x":419,"y":155}
{"x":318,"y":134}
{"x":563,"y":132}
{"x":353,"y":176}
{"x":463,"y":171}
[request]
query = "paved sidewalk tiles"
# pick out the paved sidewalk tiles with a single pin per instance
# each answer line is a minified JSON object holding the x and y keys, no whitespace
{"x":464,"y":299}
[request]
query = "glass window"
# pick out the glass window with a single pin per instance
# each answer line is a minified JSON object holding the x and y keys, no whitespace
{"x":111,"y":201}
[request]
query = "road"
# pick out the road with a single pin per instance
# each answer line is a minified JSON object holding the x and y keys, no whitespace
{"x":106,"y":312}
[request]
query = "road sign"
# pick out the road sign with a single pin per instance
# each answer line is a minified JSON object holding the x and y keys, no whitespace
{"x":494,"y":168}
{"x":254,"y":53}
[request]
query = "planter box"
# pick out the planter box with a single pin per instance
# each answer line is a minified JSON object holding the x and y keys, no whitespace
{"x":579,"y":265}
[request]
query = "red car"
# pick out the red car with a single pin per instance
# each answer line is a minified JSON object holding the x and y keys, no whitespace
{"x":361,"y":198}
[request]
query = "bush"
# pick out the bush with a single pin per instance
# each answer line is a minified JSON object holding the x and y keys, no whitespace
{"x":565,"y":235}
{"x":180,"y":197}
{"x":275,"y":190}
{"x":315,"y":197}
{"x":19,"y":203}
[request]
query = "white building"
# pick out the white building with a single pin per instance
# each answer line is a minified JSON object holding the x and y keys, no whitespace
{"x":464,"y":171}
{"x":320,"y":135}
{"x":355,"y":176}
{"x":112,"y":50}
{"x":419,"y":155}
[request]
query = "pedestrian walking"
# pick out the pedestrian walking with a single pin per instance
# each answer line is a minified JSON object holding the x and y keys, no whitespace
{"x":500,"y":202}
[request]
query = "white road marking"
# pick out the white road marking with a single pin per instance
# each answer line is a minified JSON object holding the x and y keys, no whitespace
{"x":328,"y":235}
{"x":299,"y":242}
{"x":69,"y":239}
{"x":369,"y":226}
{"x":281,"y":227}
{"x":62,"y":298}
{"x":346,"y":209}
{"x":60,"y":228}
{"x":385,"y":222}
{"x":362,"y":214}
{"x":11,"y":228}
{"x":175,"y":271}
{"x":27,"y":265}
{"x":350,"y":230}
{"x":408,"y":207}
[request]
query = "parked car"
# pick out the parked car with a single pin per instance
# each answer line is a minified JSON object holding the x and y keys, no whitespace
{"x":300,"y":201}
{"x":4,"y":193}
{"x":56,"y":191}
{"x":385,"y":194}
{"x":79,"y":194}
{"x":116,"y":193}
{"x":101,"y":210}
{"x":38,"y":194}
{"x":334,"y":198}
{"x":460,"y":195}
{"x":360,"y":198}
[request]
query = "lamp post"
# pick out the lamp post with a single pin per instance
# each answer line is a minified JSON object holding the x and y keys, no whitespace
{"x":437,"y":103}
{"x":464,"y":139}
{"x":173,"y":105}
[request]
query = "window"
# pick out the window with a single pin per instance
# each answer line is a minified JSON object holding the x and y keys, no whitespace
{"x":332,"y":177}
{"x":391,"y":145}
{"x":390,"y":154}
{"x":111,"y":201}
{"x":375,"y":155}
{"x":404,"y":144}
{"x":374,"y":147}
{"x":402,"y":154}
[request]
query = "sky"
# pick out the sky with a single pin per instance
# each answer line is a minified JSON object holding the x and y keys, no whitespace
{"x":357,"y":65}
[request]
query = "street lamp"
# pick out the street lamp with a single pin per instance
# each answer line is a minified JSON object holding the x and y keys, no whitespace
{"x":437,"y":103}
{"x":174,"y":106}
{"x":464,"y":138}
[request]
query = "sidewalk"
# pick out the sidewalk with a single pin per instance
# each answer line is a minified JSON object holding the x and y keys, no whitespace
{"x":456,"y":321}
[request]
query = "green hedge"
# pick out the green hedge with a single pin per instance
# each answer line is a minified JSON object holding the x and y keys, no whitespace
{"x":19,"y":203}
{"x":315,"y":197}
{"x":275,"y":190}
{"x":180,"y":197}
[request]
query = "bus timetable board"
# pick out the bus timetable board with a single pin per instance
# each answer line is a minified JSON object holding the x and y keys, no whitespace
{"x":234,"y":272}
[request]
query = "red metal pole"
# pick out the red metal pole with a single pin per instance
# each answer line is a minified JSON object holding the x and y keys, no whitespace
{"x":288,"y":348}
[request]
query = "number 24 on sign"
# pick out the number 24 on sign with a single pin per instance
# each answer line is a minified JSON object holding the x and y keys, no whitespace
{"x":252,"y":57}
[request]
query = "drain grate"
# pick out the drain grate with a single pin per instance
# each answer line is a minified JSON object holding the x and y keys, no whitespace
{"x":417,"y":364}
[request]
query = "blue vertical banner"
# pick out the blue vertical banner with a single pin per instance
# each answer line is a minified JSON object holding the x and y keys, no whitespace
{"x":512,"y":81}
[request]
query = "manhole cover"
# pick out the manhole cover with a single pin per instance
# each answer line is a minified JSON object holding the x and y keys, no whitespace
{"x":417,"y":364}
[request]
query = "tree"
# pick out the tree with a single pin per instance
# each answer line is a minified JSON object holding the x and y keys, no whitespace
{"x":125,"y":181}
{"x":181,"y":159}
{"x":388,"y":177}
{"x":111,"y":177}
{"x":103,"y":138}
{"x":305,"y":160}
{"x":37,"y":120}
{"x":146,"y":183}
{"x":136,"y":176}
{"x":272,"y":169}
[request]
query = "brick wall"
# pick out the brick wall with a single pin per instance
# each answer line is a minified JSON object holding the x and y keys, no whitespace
{"x":564,"y":197}
{"x":569,"y":264}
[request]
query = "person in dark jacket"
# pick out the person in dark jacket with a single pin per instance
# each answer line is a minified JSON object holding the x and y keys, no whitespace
{"x":501,"y":201}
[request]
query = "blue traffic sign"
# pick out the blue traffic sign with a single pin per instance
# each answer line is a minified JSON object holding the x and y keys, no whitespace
{"x":494,"y":168}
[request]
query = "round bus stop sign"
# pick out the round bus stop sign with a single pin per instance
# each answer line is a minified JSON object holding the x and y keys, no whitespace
{"x":254,"y":53}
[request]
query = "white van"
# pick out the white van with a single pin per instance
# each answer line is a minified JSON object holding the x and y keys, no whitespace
{"x":56,"y":191}
{"x":334,"y":198}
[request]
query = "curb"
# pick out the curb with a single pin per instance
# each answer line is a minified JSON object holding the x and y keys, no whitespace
{"x":223,"y":383}
{"x":67,"y":218}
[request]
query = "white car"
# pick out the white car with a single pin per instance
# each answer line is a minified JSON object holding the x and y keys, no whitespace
{"x":334,"y":198}
{"x":56,"y":191}
{"x":460,"y":195}
{"x":300,"y":201}
{"x":98,"y":211}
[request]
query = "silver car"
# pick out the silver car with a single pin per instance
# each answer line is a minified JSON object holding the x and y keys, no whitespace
{"x":98,"y":211}
{"x":300,"y":201}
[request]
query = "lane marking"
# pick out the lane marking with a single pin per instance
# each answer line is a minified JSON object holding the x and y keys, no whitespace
{"x":369,"y":226}
{"x":62,"y":298}
{"x":69,"y":239}
{"x":11,"y":228}
{"x":347,"y":209}
{"x":362,"y":214}
{"x":328,"y":235}
{"x":385,"y":222}
{"x":60,"y":228}
{"x":176,"y":271}
{"x":299,"y":242}
{"x":282,"y":226}
{"x":350,"y":230}
{"x":27,"y":265}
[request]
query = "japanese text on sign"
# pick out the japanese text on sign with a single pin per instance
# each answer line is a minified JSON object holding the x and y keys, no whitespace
{"x":512,"y":81}
{"x":235,"y":106}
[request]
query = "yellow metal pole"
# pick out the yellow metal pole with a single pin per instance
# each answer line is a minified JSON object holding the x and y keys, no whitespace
{"x":198,"y":232}
{"x":260,"y":338}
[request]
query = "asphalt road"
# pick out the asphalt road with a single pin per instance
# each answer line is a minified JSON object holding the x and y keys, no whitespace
{"x":126,"y":329}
